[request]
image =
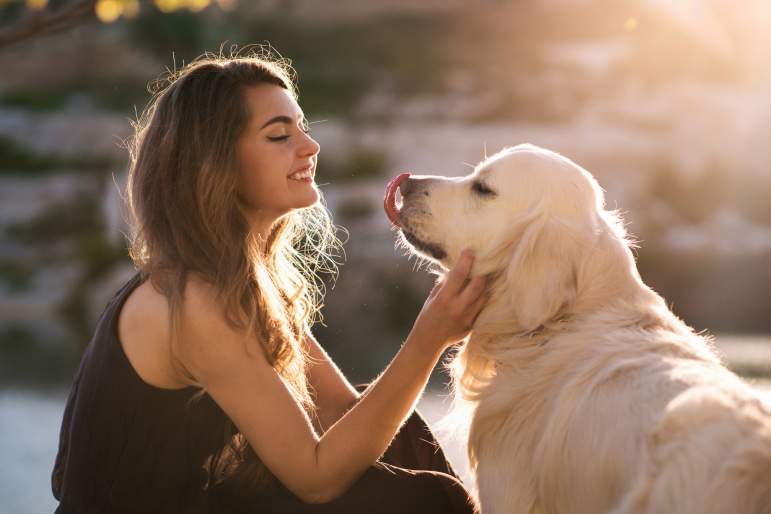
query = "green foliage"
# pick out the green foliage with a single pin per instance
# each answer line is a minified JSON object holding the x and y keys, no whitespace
{"x":16,"y":275}
{"x":365,"y":163}
{"x":181,"y":33}
{"x":402,"y":306}
{"x":355,"y":208}
{"x":98,"y":256}
{"x":65,"y":232}
{"x":79,"y":217}
{"x":15,"y":159}
{"x":23,"y":359}
{"x":11,"y":13}
{"x":37,"y":99}
{"x":111,"y":95}
{"x":362,"y":163}
{"x":116,"y":96}
{"x":337,"y":62}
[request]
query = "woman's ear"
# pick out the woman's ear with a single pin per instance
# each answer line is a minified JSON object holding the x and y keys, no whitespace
{"x":542,"y":277}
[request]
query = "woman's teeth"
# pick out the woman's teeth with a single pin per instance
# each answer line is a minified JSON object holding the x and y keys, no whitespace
{"x":300,"y":175}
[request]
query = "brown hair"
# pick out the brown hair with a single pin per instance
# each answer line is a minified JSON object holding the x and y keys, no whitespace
{"x":182,"y":197}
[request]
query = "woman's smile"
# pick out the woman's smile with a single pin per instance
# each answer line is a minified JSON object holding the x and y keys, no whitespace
{"x":305,"y":174}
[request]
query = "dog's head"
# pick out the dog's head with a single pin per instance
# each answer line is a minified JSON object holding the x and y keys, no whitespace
{"x":531,"y":216}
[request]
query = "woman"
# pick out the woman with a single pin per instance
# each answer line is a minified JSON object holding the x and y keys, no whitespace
{"x":212,"y":334}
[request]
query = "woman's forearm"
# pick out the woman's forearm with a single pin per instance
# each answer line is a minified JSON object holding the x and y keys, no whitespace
{"x":333,"y":395}
{"x":363,"y":434}
{"x":351,"y":445}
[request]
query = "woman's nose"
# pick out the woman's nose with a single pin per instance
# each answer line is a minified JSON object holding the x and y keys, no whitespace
{"x":310,"y":146}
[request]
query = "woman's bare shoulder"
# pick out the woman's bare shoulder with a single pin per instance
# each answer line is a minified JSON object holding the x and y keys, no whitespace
{"x":211,"y":344}
{"x":206,"y":342}
{"x":143,"y":330}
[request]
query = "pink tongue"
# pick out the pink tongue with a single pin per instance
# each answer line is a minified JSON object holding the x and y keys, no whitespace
{"x":389,"y":201}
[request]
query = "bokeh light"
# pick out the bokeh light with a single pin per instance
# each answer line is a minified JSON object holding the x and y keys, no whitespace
{"x":109,"y":10}
{"x":36,"y":5}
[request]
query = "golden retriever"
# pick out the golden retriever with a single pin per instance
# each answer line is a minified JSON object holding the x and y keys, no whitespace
{"x":579,"y":390}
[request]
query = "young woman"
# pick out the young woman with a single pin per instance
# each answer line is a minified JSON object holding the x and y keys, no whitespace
{"x":203,"y":389}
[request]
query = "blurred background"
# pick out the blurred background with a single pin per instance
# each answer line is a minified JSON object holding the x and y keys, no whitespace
{"x":666,"y":102}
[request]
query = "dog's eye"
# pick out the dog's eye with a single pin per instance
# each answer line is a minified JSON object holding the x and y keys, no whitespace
{"x":482,"y":189}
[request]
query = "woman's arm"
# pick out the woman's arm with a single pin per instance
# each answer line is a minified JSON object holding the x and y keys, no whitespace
{"x":333,"y":394}
{"x":250,"y":391}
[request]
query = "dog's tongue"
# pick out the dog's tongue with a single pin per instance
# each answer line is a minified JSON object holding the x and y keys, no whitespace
{"x":389,"y":200}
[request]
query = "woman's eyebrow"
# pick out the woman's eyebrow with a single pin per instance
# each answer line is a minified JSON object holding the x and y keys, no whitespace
{"x":279,"y":119}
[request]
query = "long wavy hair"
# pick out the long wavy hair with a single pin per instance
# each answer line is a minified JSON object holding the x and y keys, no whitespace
{"x":182,"y":187}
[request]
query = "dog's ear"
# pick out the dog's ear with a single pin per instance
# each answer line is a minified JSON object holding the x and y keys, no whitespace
{"x":542,"y":277}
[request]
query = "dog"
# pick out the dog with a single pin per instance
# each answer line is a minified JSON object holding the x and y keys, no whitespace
{"x":578,"y":389}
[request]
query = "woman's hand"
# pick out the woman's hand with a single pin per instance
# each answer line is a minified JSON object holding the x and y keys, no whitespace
{"x":451,"y":308}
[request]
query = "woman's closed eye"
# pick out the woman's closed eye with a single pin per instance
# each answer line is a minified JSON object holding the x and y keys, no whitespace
{"x":283,"y":137}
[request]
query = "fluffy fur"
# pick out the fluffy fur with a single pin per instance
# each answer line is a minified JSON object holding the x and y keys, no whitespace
{"x":579,"y":390}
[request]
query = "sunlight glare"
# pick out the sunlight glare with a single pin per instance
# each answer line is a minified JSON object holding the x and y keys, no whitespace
{"x":698,"y":20}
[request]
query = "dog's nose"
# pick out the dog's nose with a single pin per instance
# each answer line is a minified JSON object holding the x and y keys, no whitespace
{"x":406,"y":186}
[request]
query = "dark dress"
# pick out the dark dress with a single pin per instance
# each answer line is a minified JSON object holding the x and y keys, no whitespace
{"x":128,"y":447}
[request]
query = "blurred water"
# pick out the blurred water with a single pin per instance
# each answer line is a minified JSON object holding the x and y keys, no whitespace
{"x":30,"y":421}
{"x":29,"y":433}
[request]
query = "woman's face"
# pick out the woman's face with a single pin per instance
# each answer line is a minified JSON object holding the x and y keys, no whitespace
{"x":277,"y":158}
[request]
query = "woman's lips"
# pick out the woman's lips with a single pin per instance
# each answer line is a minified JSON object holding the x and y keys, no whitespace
{"x":389,"y":200}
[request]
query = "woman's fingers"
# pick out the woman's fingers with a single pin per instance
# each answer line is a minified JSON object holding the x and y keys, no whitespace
{"x":452,"y":306}
{"x":472,"y":299}
{"x":477,"y":306}
{"x":459,"y":273}
{"x":473,"y":289}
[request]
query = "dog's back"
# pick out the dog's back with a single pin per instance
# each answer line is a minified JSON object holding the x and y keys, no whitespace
{"x":710,"y":454}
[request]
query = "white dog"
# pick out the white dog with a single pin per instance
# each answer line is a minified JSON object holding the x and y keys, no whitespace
{"x":580,"y":390}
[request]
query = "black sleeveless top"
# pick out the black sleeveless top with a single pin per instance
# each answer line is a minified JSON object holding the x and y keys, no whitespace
{"x":126,"y":446}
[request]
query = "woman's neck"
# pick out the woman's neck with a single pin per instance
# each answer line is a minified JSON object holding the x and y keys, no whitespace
{"x":260,"y":229}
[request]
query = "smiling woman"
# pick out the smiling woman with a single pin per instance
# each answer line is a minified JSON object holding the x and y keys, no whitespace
{"x":203,"y":389}
{"x":277,"y":158}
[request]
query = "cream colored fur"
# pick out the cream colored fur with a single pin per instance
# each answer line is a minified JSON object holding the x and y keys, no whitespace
{"x":579,"y":390}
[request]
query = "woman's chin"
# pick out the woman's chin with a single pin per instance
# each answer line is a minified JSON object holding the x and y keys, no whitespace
{"x":309,"y":200}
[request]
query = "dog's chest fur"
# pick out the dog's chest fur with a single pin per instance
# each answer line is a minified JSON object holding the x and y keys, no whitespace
{"x":563,"y":424}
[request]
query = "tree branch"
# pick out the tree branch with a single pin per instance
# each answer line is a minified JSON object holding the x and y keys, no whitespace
{"x":38,"y":23}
